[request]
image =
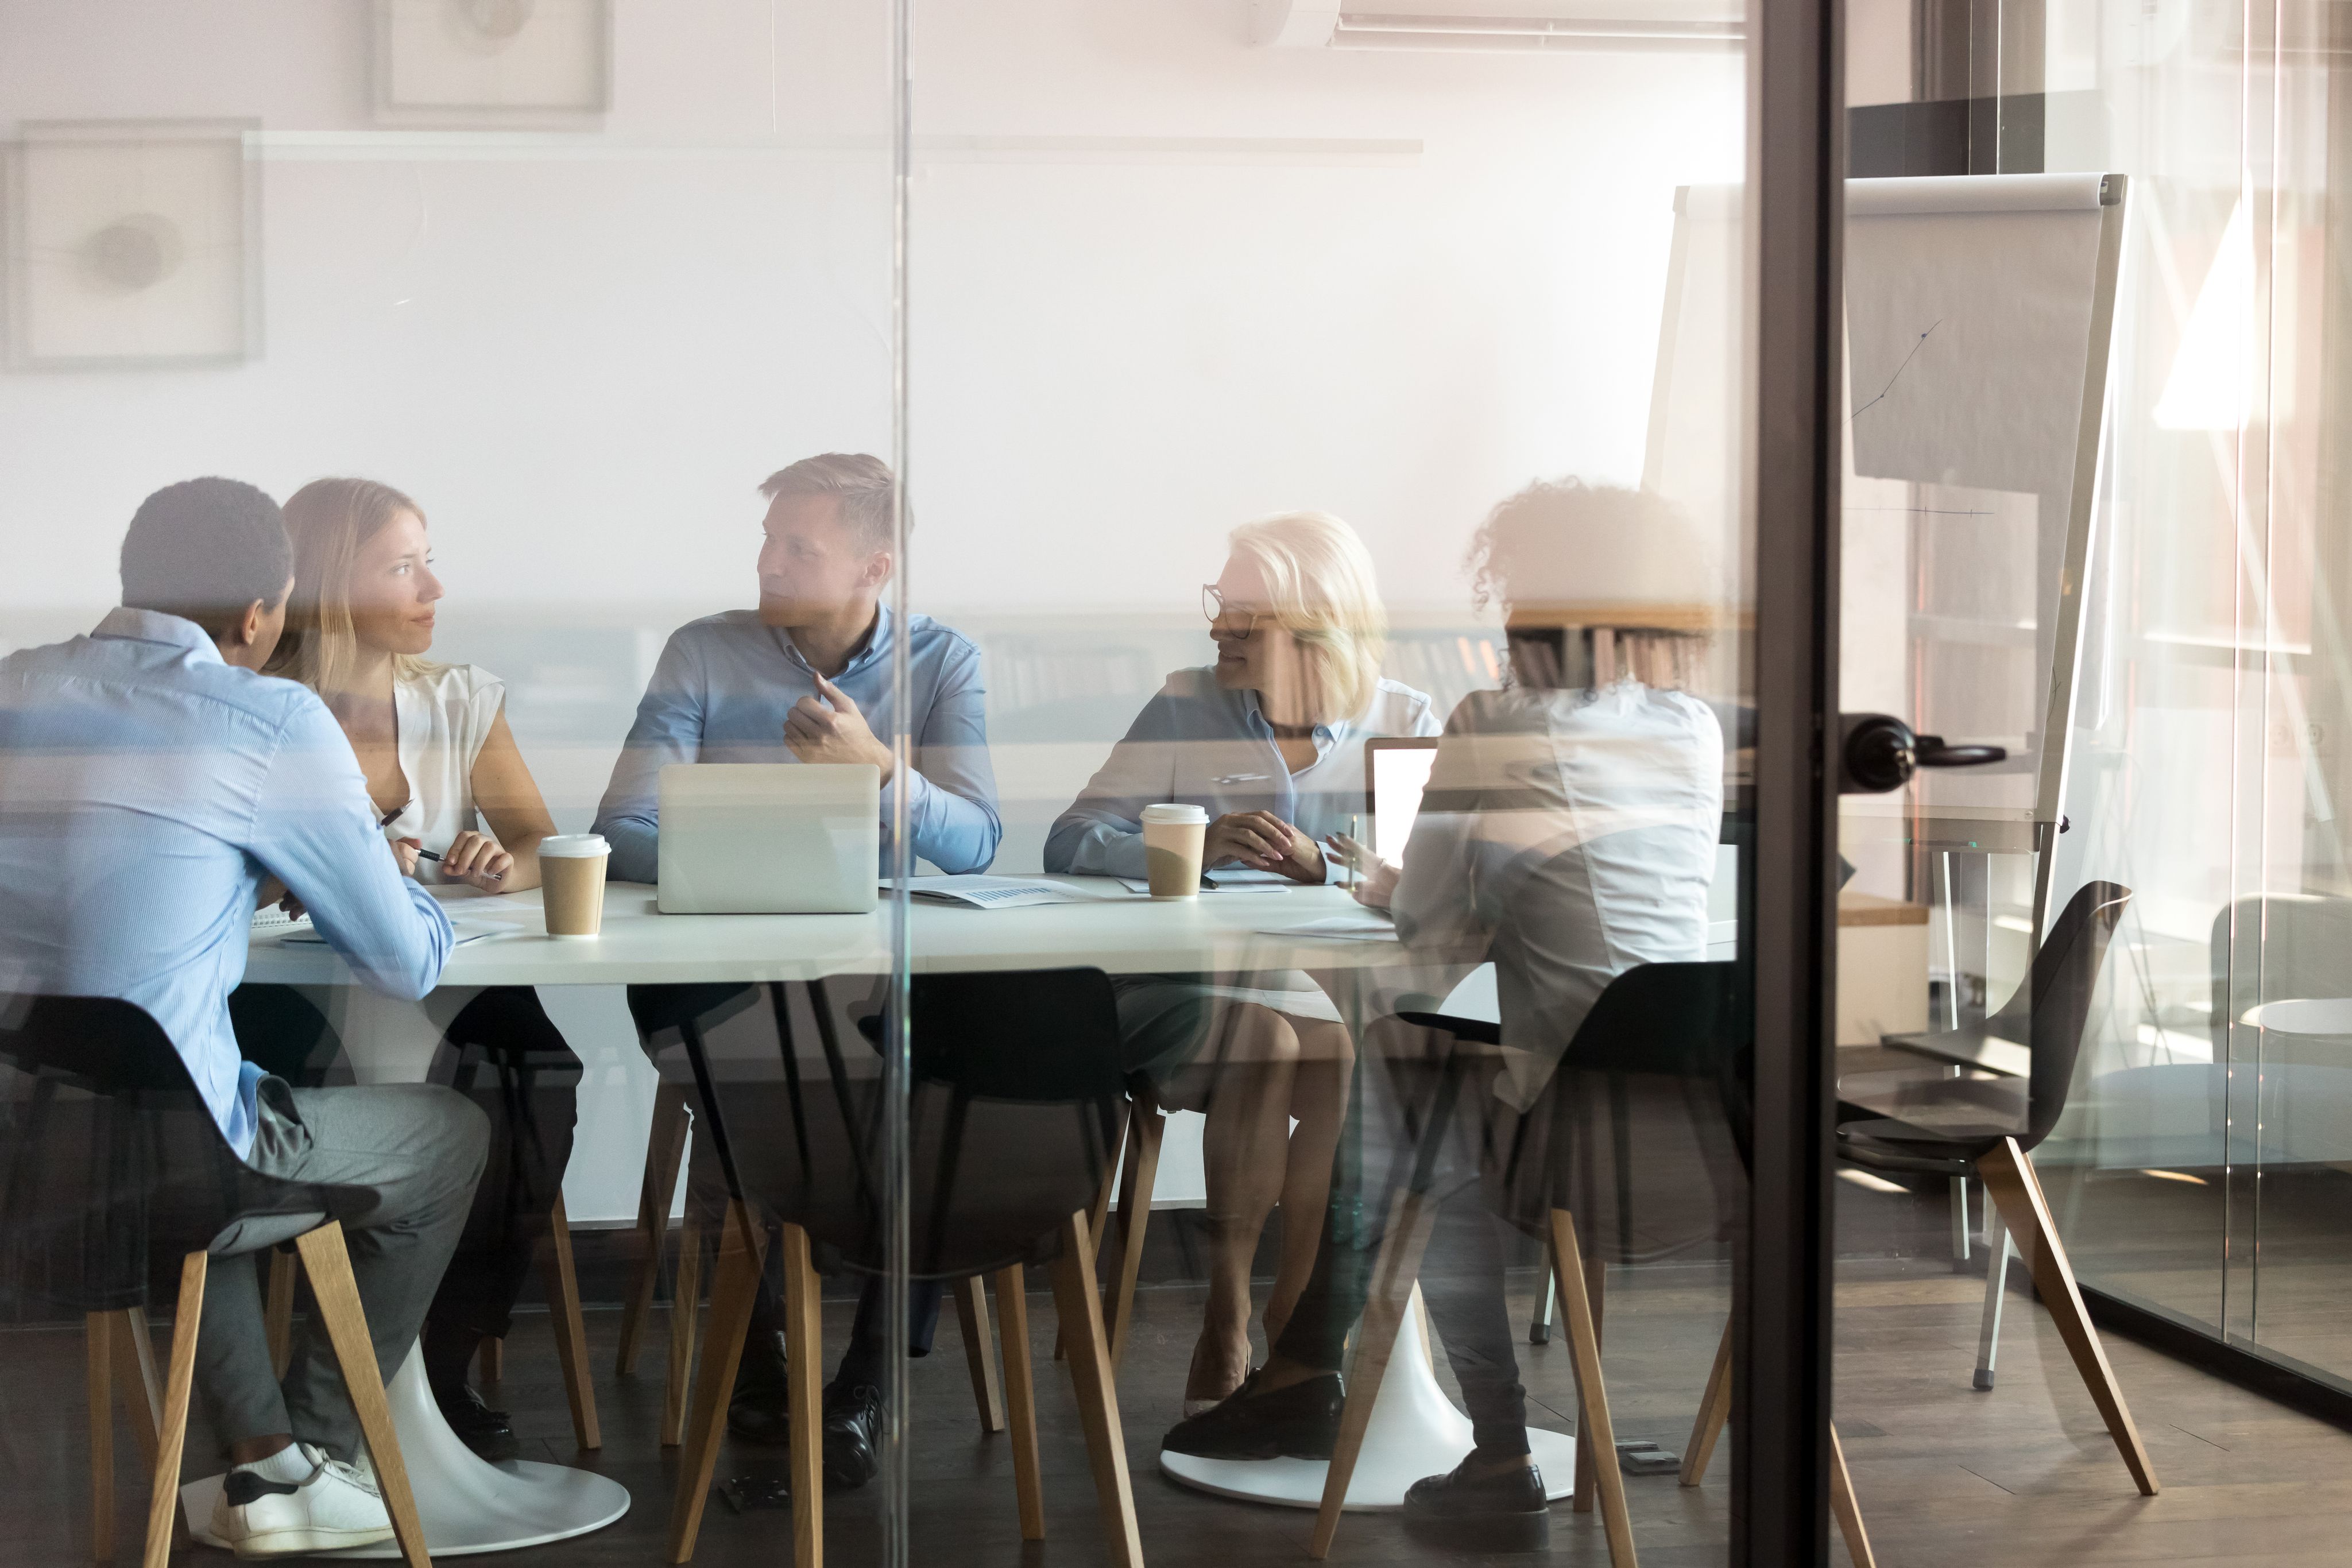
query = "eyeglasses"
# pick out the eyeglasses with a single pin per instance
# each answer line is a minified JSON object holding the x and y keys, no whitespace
{"x":1213,"y":606}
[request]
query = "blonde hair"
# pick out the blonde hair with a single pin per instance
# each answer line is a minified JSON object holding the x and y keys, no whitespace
{"x":862,"y":485}
{"x":1325,"y":595}
{"x":331,"y":521}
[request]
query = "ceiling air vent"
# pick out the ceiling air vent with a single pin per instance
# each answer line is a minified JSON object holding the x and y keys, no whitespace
{"x":1512,"y":25}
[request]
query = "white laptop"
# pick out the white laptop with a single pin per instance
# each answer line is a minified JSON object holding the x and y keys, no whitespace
{"x":770,"y":838}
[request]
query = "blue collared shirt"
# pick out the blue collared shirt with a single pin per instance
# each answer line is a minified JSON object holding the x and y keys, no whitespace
{"x":1196,"y":744}
{"x":146,"y":788}
{"x":720,"y":694}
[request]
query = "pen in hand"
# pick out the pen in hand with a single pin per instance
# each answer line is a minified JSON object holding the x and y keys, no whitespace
{"x":423,"y":854}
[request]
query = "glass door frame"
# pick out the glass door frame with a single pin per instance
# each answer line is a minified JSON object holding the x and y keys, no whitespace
{"x":1784,"y":1272}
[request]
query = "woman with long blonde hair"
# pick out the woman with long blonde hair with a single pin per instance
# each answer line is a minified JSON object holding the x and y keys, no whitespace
{"x":1269,"y":740}
{"x":459,"y":805}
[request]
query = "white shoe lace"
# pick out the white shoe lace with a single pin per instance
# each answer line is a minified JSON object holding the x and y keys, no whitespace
{"x":360,"y":1474}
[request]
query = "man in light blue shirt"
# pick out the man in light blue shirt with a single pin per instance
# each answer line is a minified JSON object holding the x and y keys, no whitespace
{"x":806,"y":677}
{"x":152,"y":783}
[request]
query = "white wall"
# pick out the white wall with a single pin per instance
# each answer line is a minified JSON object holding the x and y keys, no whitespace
{"x":581,"y":360}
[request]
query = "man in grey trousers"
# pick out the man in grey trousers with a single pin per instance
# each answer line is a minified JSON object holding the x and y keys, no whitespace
{"x":155,"y":786}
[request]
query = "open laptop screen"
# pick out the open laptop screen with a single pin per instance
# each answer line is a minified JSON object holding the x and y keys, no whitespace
{"x":1395,"y":773}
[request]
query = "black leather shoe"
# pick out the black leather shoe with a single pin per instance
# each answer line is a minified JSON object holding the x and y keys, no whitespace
{"x":1299,"y":1422}
{"x":761,"y":1410}
{"x":853,"y":1432}
{"x":486,"y":1431}
{"x":1498,"y":1510}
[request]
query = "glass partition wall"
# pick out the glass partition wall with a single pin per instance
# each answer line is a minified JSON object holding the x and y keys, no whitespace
{"x":1279,"y":493}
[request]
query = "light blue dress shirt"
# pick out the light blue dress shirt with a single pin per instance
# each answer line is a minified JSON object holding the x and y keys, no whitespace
{"x":1196,"y":744}
{"x":720,"y":692}
{"x":146,"y":788}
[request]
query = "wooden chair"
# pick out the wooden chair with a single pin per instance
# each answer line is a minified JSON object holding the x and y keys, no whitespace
{"x":1015,"y":1106}
{"x":1989,"y":1127}
{"x":673,"y":1123}
{"x":150,"y":1167}
{"x":1670,"y":1025}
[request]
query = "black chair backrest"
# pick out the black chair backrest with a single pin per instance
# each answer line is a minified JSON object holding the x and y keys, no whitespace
{"x":1643,"y":1134}
{"x":112,"y":1158}
{"x":2049,"y":1011}
{"x":1014,"y":1106}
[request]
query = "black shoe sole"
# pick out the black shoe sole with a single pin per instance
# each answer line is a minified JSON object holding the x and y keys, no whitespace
{"x":1528,"y":1531}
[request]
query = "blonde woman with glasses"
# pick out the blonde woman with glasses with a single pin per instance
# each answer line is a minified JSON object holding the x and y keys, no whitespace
{"x":1269,"y":739}
{"x":459,"y":806}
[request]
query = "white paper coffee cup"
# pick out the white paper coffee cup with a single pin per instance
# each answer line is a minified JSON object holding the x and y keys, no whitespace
{"x":1173,"y":836}
{"x":572,"y":883}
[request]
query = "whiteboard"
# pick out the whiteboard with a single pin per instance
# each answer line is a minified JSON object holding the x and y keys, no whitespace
{"x":1979,"y":310}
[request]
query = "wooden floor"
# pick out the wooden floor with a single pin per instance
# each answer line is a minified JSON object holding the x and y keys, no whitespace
{"x":2022,"y":1476}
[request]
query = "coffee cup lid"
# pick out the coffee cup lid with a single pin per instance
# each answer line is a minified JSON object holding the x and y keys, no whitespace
{"x":1175,"y":813}
{"x":574,"y":847}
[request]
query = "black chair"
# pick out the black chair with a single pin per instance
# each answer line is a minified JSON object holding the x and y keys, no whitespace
{"x":1663,"y":1038}
{"x":1015,"y":1103}
{"x":112,"y":1159}
{"x":1987,"y":1127}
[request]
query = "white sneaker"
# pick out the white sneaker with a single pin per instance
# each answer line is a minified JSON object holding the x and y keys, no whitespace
{"x":336,"y":1506}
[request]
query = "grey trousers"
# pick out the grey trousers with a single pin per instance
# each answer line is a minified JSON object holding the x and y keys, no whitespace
{"x":406,"y":1157}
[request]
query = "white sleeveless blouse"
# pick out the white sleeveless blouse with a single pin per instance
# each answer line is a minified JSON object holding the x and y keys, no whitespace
{"x":445,"y":713}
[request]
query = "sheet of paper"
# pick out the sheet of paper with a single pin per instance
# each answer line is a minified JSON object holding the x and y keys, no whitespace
{"x":1367,"y":926}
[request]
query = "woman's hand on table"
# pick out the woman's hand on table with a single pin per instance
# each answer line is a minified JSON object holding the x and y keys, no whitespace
{"x":1261,"y":842}
{"x":477,"y":859}
{"x":403,"y":850}
{"x":1376,"y":879}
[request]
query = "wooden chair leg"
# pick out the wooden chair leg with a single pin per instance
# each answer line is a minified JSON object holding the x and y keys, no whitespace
{"x":1588,"y":1467}
{"x":805,"y":1349}
{"x":570,"y":1329}
{"x":494,"y":1360}
{"x":164,"y":1494}
{"x":1079,"y":1306}
{"x":1843,"y":1506}
{"x":685,"y":1302}
{"x":142,"y":1383}
{"x":655,"y":1191}
{"x":1593,"y":1430}
{"x":2008,"y":1177}
{"x":338,"y":1296}
{"x":740,"y":1243}
{"x":1021,"y":1399}
{"x":1146,"y":1125}
{"x":978,"y":1355}
{"x":1714,"y":1410}
{"x":1096,"y":1214}
{"x":1399,"y":1264}
{"x":98,"y":1351}
{"x":277,"y":1314}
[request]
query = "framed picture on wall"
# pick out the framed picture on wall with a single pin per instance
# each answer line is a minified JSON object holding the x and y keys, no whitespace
{"x":493,"y":62}
{"x":133,"y":243}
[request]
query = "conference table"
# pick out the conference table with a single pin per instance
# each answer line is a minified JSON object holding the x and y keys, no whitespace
{"x":468,"y":1505}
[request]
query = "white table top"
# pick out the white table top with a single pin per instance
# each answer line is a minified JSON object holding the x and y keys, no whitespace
{"x":1127,"y":933}
{"x":2305,"y":1015}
